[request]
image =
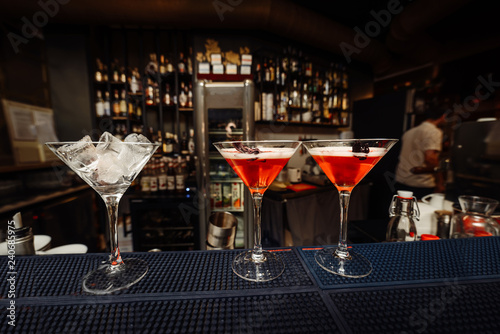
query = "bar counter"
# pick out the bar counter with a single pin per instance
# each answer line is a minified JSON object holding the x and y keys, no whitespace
{"x":442,"y":286}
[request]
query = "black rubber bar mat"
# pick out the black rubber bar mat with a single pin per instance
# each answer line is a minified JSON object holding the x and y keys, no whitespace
{"x":448,"y":307}
{"x":416,"y":262}
{"x":298,"y":312}
{"x":169,"y":272}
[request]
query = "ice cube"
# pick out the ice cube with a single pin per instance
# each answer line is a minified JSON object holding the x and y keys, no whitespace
{"x":108,"y":142}
{"x":134,"y":157}
{"x":136,"y":138}
{"x":109,"y":169}
{"x":79,"y":156}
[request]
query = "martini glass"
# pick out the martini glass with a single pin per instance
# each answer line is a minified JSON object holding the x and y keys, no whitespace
{"x":257,"y":163}
{"x":346,"y":162}
{"x":109,"y":167}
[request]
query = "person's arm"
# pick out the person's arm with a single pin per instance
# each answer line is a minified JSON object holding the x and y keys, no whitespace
{"x":431,"y":158}
{"x":432,"y":161}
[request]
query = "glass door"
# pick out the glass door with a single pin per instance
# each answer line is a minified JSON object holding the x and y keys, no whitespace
{"x":224,"y":112}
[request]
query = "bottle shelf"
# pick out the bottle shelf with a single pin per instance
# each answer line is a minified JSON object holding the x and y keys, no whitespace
{"x":224,"y":77}
{"x":237,"y":132}
{"x":296,"y":123}
{"x":226,"y":180}
{"x":229,"y":209}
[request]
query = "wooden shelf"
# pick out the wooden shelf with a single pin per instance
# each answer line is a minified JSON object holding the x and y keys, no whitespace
{"x":308,"y":124}
{"x":27,"y":167}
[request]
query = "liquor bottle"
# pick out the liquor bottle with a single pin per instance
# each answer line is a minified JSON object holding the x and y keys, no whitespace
{"x":175,"y":143}
{"x":123,"y":104}
{"x":105,"y":77}
{"x":190,"y":96}
{"x":99,"y":105}
{"x":306,"y":98}
{"x":135,"y":82}
{"x":183,"y":96}
{"x":116,"y":104}
{"x":162,"y":177}
{"x":98,"y":72}
{"x":184,"y":145}
{"x":267,"y":71}
{"x":170,"y":176}
{"x":191,"y":145}
{"x":169,"y":145}
{"x":131,"y":110}
{"x":345,"y":101}
{"x":153,"y":178}
{"x":307,"y":68}
{"x":163,"y":68}
{"x":191,"y":167}
{"x":294,"y":63}
{"x":181,"y":66}
{"x":180,"y":185}
{"x":116,"y":71}
{"x":190,"y":61}
{"x":281,"y":113}
{"x":295,"y":95}
{"x":156,"y":94}
{"x":145,"y":179}
{"x":167,"y":100}
{"x":345,"y":77}
{"x":160,"y":141}
{"x":152,"y":66}
{"x":123,"y":75}
{"x":170,"y":67}
{"x":138,"y":111}
{"x":149,"y":93}
{"x":337,"y":76}
{"x":107,"y":104}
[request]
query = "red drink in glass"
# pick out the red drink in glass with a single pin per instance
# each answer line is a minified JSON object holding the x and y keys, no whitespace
{"x":343,"y":167}
{"x":257,"y":163}
{"x":257,"y":173}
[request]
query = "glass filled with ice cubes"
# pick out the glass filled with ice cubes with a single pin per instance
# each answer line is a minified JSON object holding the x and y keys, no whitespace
{"x":109,"y":166}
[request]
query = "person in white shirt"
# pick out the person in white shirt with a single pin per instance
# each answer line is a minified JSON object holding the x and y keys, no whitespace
{"x":421,"y":147}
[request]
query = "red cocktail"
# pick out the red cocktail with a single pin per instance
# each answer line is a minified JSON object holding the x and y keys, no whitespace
{"x":343,"y":167}
{"x":257,"y":173}
{"x":346,"y":163}
{"x":257,"y":163}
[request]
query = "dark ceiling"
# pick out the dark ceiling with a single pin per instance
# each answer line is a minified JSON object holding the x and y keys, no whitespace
{"x":418,"y":32}
{"x":425,"y":31}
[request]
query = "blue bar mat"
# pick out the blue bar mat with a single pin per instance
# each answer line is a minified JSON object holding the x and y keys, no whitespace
{"x":303,"y":312}
{"x":61,"y":275}
{"x":449,"y":307}
{"x":416,"y":262}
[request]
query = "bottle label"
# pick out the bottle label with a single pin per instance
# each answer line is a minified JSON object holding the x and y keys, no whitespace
{"x":179,"y":182}
{"x":153,"y":184}
{"x":170,"y":182}
{"x":145,"y":185}
{"x":162,"y":182}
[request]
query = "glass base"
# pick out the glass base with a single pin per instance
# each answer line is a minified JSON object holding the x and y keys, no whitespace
{"x":107,"y":279}
{"x":269,"y":267}
{"x":354,"y":266}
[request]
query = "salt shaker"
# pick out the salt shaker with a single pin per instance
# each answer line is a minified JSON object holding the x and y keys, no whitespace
{"x":403,"y":212}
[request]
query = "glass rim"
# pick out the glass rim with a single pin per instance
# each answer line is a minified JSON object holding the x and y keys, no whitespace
{"x":479,"y":199}
{"x":347,"y":140}
{"x":274,"y":141}
{"x":93,"y":142}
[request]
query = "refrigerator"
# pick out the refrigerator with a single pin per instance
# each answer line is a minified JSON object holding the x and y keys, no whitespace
{"x":223,"y":111}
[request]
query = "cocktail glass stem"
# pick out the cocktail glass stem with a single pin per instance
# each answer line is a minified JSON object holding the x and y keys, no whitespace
{"x":257,"y":255}
{"x":341,"y":250}
{"x":112,"y":202}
